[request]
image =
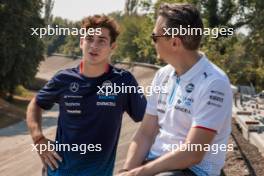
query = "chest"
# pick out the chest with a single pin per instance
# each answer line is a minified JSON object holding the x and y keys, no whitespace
{"x":177,"y":103}
{"x":82,"y":99}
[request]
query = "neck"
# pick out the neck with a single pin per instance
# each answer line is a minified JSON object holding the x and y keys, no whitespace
{"x":90,"y":70}
{"x":185,"y":61}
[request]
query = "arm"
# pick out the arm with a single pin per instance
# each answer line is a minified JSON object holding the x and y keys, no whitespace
{"x":142,"y":142}
{"x":177,"y":159}
{"x":34,"y":116}
{"x":33,"y":120}
{"x":212,"y":117}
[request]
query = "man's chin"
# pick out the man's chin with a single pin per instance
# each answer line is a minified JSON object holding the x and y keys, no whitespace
{"x":95,"y":61}
{"x":92,"y":59}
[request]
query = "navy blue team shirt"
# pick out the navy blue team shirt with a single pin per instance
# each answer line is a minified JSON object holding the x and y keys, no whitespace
{"x":87,"y":116}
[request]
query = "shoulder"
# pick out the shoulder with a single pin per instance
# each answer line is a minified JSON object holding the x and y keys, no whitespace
{"x":66,"y":73}
{"x":62,"y":77}
{"x":164,"y":72}
{"x":122,"y":73}
{"x":214,"y":78}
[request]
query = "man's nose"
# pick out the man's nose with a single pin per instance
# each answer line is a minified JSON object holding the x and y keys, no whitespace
{"x":94,"y":45}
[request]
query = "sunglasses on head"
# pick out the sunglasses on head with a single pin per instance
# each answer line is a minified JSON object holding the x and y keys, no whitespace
{"x":155,"y":37}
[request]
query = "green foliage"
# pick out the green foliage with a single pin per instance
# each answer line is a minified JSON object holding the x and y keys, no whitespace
{"x":131,"y":7}
{"x":20,"y":52}
{"x":241,"y":56}
{"x":135,"y":35}
{"x":254,"y":44}
{"x":49,"y":4}
{"x":65,"y":44}
{"x":159,"y":2}
{"x":146,"y":51}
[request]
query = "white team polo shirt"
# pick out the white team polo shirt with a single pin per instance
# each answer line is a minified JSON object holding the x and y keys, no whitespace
{"x":201,"y":98}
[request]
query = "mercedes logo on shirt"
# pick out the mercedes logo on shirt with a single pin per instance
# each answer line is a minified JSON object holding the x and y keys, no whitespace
{"x":74,"y":87}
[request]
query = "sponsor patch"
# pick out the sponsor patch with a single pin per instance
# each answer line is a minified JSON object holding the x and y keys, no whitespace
{"x":217,"y":92}
{"x":112,"y":104}
{"x":189,"y":88}
{"x":71,"y":104}
{"x":216,"y":98}
{"x":73,"y":96}
{"x":185,"y":101}
{"x":214,"y":104}
{"x":182,"y":109}
{"x":74,"y":111}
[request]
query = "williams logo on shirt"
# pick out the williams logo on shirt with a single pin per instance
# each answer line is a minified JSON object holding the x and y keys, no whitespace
{"x":106,"y":97}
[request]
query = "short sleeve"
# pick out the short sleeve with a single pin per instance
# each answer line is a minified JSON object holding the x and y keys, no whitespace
{"x":152,"y":99}
{"x":135,"y":102}
{"x":50,"y":93}
{"x":215,"y":107}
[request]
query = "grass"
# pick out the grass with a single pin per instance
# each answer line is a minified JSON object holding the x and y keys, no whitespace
{"x":15,"y":111}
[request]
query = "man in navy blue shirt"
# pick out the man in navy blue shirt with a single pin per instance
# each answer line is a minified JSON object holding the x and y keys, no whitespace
{"x":90,"y":111}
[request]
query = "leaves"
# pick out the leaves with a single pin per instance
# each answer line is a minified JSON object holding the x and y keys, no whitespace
{"x":20,"y":51}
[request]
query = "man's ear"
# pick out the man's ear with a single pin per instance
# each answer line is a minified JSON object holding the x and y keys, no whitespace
{"x":176,"y":42}
{"x":113,"y":45}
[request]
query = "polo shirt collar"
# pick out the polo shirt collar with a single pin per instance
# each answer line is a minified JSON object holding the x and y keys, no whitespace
{"x":195,"y":69}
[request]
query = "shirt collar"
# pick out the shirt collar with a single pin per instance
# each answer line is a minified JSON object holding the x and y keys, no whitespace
{"x":195,"y":69}
{"x":80,"y":67}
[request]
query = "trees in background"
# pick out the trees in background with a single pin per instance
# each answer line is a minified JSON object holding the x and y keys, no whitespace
{"x":134,"y":42}
{"x":65,"y":44}
{"x":20,"y":52}
{"x":241,"y":56}
{"x":48,"y":6}
{"x":254,"y":45}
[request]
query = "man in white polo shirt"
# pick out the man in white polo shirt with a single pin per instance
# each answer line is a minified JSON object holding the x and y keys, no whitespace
{"x":185,"y":130}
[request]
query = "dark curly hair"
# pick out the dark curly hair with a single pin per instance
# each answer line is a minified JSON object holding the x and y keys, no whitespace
{"x":102,"y":21}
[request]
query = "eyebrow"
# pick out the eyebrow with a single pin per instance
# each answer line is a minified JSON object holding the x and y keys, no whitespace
{"x":102,"y":37}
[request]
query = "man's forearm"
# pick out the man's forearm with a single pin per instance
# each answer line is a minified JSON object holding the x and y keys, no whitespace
{"x":34,"y":120}
{"x":137,"y":151}
{"x":171,"y":161}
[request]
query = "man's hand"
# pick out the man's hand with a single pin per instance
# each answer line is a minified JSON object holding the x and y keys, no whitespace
{"x":139,"y":171}
{"x":34,"y":116}
{"x":47,"y":157}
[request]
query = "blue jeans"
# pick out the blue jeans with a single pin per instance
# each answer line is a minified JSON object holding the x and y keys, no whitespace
{"x":185,"y":172}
